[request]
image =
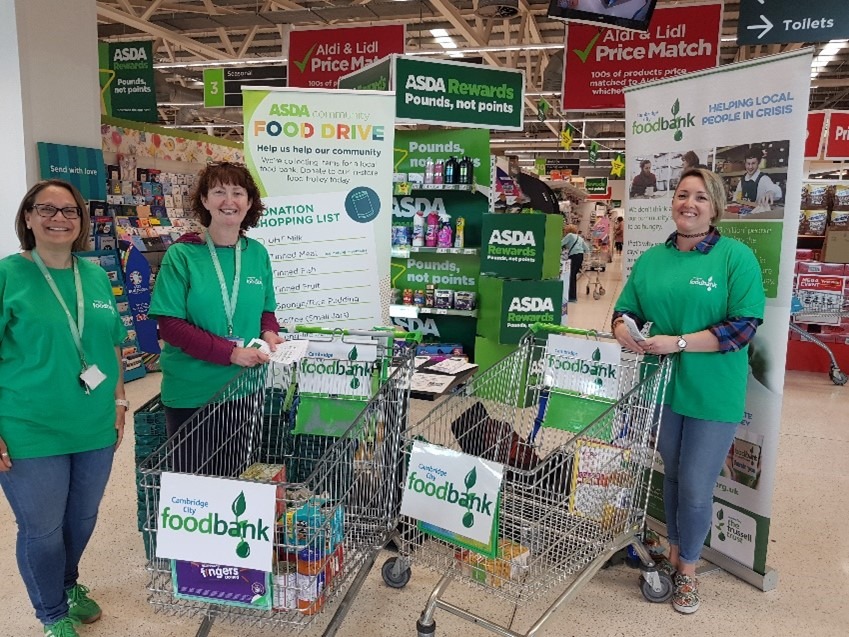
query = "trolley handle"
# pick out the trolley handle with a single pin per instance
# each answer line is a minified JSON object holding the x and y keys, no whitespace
{"x":551,"y":328}
{"x":378,"y":332}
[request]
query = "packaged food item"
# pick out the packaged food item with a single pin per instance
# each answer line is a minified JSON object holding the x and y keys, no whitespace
{"x":399,"y":178}
{"x":443,"y":299}
{"x":407,"y":297}
{"x":418,"y":229}
{"x":312,"y":580}
{"x":429,"y":295}
{"x":459,"y":233}
{"x":285,"y":583}
{"x":263,"y":472}
{"x":419,"y":298}
{"x":464,"y":300}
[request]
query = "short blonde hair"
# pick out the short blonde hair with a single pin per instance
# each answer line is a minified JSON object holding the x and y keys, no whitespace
{"x":714,"y":187}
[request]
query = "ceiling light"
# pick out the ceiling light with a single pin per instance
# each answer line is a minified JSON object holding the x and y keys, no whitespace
{"x":439,"y":33}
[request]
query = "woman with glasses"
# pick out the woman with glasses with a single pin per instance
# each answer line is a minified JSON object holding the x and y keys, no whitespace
{"x":214,"y":294}
{"x":62,"y":403}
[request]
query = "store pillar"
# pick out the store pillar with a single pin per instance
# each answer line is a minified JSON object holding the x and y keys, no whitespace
{"x":50,"y":87}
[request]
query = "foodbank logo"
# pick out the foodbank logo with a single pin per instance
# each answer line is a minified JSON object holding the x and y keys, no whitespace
{"x":594,"y":368}
{"x":447,"y":493}
{"x":659,"y":123}
{"x":353,"y":371}
{"x":213,"y":524}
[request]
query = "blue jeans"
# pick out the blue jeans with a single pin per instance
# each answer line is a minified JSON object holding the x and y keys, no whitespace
{"x":55,"y":501}
{"x":693,"y":453}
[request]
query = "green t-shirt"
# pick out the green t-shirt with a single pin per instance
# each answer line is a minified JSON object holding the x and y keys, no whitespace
{"x":686,"y":292}
{"x":43,"y":409}
{"x":187,"y":288}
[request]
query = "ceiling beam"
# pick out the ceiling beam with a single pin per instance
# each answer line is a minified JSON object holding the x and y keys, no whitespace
{"x":160,"y":32}
{"x":152,"y":9}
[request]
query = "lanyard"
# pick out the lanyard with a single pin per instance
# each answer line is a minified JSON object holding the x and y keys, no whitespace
{"x":229,"y":302}
{"x":76,"y":327}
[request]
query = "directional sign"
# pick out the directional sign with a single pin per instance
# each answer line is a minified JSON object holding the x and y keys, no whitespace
{"x":780,"y":21}
{"x":223,"y":87}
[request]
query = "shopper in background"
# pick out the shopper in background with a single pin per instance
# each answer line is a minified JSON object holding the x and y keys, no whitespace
{"x":573,"y":247}
{"x":213,"y":295}
{"x":62,"y":403}
{"x":644,"y":182}
{"x":704,"y":295}
{"x":755,"y":186}
{"x":619,"y":233}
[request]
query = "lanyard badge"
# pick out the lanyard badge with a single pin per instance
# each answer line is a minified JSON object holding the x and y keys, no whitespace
{"x":230,"y":300}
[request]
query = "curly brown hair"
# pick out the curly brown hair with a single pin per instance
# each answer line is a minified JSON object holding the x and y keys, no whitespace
{"x":25,"y":235}
{"x":226,"y":174}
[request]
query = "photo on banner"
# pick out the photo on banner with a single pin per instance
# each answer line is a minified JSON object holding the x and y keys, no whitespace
{"x":691,"y":118}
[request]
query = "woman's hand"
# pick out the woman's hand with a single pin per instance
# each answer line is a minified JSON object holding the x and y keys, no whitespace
{"x":247,"y":357}
{"x":120,"y":419}
{"x":5,"y":460}
{"x":623,"y":336}
{"x":273,"y":339}
{"x":661,"y":345}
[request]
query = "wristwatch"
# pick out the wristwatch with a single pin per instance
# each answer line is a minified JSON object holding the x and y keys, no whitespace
{"x":682,"y":344}
{"x":122,"y":402}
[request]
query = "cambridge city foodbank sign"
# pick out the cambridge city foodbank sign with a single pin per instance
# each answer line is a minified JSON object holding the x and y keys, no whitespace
{"x":452,"y":491}
{"x":216,"y":521}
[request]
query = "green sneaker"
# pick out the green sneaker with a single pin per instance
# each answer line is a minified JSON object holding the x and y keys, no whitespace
{"x":81,"y":607}
{"x":65,"y":627}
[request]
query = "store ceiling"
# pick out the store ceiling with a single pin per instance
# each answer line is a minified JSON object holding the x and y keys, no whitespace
{"x":202,"y":30}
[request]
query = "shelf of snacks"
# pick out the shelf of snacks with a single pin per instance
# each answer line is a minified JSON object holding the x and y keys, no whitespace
{"x":412,"y":311}
{"x":404,"y":251}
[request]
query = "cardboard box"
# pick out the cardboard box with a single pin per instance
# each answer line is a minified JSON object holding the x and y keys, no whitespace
{"x":818,"y":267}
{"x":508,"y":307}
{"x":836,"y":246}
{"x":521,"y":246}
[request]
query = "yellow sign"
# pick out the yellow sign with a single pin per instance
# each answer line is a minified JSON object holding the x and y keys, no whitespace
{"x":566,"y":139}
{"x":617,"y":166}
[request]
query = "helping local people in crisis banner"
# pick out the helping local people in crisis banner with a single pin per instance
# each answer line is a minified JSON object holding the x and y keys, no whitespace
{"x":323,"y":162}
{"x":714,"y":119}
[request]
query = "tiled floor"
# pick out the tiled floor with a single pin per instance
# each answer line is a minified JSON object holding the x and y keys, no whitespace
{"x":809,"y":547}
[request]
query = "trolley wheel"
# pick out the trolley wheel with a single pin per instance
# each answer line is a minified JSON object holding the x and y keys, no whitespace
{"x":389,"y":577}
{"x":588,"y":288}
{"x":601,"y":291}
{"x":837,"y":377}
{"x":596,"y":295}
{"x":425,"y":631}
{"x":665,"y":592}
{"x":603,"y":268}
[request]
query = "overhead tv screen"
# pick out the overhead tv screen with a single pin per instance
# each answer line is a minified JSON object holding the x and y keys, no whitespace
{"x":625,"y":14}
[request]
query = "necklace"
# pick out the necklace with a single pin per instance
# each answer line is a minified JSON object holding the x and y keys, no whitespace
{"x":694,"y":236}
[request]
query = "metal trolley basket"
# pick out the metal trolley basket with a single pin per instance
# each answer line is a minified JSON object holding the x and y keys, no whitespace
{"x":569,"y":500}
{"x":811,"y":309}
{"x":337,"y":499}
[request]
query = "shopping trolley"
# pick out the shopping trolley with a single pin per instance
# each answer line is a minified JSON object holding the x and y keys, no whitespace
{"x":594,"y":263}
{"x":575,"y":440}
{"x":820,"y":309}
{"x":336,"y":504}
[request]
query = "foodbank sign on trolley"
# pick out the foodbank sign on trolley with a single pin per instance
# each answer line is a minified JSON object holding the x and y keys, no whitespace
{"x":216,"y":521}
{"x":454,"y":496}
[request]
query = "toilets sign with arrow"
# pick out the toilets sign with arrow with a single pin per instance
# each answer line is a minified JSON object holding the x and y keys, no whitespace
{"x":780,"y":21}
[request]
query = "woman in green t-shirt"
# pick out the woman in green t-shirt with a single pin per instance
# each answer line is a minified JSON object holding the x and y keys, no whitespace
{"x":214,"y":294}
{"x":62,"y":403}
{"x":704,"y":296}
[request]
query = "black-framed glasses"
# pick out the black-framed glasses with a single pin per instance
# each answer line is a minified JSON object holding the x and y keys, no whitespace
{"x":48,"y":212}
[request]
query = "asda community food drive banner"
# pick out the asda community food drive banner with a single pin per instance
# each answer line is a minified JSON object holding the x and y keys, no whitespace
{"x":750,"y":115}
{"x":323,"y":162}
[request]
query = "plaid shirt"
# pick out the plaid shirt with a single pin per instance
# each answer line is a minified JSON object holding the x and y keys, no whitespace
{"x":734,"y":333}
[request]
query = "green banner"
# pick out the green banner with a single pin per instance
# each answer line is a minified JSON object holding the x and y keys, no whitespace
{"x":436,"y":92}
{"x":521,"y":246}
{"x":81,"y":166}
{"x":764,"y":238}
{"x":375,"y":77}
{"x":126,"y":81}
{"x":539,"y":165}
{"x":596,"y":185}
{"x":414,"y":147}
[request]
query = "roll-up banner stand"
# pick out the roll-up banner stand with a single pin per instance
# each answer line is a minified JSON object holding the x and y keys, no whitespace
{"x":719,"y":115}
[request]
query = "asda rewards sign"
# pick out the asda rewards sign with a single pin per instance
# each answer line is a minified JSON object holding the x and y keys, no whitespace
{"x":453,"y":491}
{"x":459,"y":94}
{"x":216,"y":521}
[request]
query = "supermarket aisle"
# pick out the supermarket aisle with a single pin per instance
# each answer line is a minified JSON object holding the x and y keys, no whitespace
{"x":809,"y":548}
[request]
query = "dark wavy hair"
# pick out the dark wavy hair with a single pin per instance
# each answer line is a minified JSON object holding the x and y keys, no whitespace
{"x":26,"y":236}
{"x":226,"y":174}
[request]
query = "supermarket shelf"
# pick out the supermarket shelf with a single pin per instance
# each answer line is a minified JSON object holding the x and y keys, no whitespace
{"x":766,"y":171}
{"x":459,"y":187}
{"x":402,"y":252}
{"x":412,"y":311}
{"x":811,"y":236}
